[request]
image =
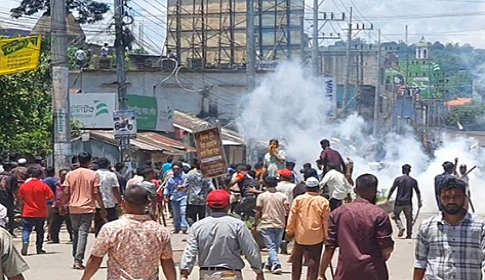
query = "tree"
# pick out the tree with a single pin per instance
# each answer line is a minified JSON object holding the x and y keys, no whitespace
{"x":87,"y":11}
{"x":469,"y":114}
{"x":25,"y":113}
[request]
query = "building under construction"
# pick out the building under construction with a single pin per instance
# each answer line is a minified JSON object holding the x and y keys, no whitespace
{"x":212,"y":33}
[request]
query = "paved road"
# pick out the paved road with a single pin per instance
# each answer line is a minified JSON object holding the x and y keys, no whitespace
{"x":56,"y":264}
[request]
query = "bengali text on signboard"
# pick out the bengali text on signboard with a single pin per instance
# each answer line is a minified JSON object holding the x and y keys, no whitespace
{"x":211,"y":153}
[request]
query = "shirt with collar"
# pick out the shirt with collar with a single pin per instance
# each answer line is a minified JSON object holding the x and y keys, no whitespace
{"x":219,"y":241}
{"x":126,"y":241}
{"x":337,"y":184}
{"x":172,"y":184}
{"x":308,"y":219}
{"x":450,"y":252}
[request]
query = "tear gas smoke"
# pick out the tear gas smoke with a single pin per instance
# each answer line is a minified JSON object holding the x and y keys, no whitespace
{"x":291,"y":106}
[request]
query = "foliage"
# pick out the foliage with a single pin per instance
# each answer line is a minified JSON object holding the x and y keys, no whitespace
{"x":26,"y":116}
{"x":466,"y":115}
{"x":87,"y":11}
{"x":139,"y":51}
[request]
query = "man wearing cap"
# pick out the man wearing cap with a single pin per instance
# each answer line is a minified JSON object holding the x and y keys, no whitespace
{"x":338,"y":186}
{"x":21,"y":172}
{"x":440,"y":181}
{"x":271,"y":210}
{"x":405,"y":185}
{"x":308,"y":223}
{"x":285,"y":185}
{"x":218,"y":242}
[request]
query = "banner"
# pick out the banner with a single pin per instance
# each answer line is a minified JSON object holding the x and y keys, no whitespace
{"x":93,"y":110}
{"x":19,"y":54}
{"x":331,"y":96}
{"x":155,"y":114}
{"x":210,"y":152}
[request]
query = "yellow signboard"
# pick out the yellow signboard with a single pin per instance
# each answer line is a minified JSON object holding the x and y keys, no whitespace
{"x":19,"y":54}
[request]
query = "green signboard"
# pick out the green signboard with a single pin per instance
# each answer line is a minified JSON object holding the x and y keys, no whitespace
{"x":154,"y":114}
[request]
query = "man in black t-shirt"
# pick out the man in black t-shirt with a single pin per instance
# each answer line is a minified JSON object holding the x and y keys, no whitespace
{"x":405,"y":185}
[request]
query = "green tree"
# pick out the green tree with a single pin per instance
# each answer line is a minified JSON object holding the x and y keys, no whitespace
{"x":466,"y":115}
{"x":87,"y":11}
{"x":25,"y":110}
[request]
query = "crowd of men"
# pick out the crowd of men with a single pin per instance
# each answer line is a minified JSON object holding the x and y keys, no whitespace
{"x":317,"y":211}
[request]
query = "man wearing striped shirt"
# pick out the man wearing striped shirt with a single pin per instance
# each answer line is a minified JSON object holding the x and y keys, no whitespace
{"x":451,"y":245}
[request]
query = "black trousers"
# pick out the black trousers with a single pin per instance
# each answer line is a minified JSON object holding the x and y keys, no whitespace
{"x":335,"y":203}
{"x":194,"y":213}
{"x":56,"y":224}
{"x":11,"y":219}
{"x":99,"y":222}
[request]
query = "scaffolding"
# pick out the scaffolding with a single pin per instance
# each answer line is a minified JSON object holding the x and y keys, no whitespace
{"x":211,"y":34}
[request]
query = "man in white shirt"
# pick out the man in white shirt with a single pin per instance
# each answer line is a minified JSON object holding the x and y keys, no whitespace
{"x":338,"y":186}
{"x":285,"y":185}
{"x":3,"y":215}
{"x":81,"y":57}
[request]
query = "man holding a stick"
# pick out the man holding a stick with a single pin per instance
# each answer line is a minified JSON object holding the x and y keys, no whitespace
{"x":405,"y":185}
{"x":462,"y":174}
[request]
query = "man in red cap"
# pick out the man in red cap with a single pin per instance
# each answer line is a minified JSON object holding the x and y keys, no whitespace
{"x":218,"y":242}
{"x":286,"y":186}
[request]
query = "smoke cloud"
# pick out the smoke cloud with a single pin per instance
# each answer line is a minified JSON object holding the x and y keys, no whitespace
{"x":290,"y":105}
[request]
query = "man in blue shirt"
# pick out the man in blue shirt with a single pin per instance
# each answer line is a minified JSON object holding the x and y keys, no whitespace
{"x":177,"y":193}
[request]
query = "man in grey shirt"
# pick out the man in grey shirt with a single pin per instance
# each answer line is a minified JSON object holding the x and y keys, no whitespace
{"x":218,"y":242}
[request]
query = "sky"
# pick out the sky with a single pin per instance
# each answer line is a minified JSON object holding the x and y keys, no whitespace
{"x":457,"y":21}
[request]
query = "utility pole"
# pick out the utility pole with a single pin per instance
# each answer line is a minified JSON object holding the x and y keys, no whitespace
{"x":121,"y":73}
{"x":315,"y":54}
{"x":378,"y":86}
{"x":327,"y":17}
{"x":407,"y":59}
{"x":250,"y":46}
{"x":347,"y":70}
{"x":60,"y":88}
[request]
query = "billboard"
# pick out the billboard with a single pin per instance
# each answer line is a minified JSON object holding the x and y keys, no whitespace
{"x":152,"y":113}
{"x":210,"y":152}
{"x":19,"y":54}
{"x":93,"y":110}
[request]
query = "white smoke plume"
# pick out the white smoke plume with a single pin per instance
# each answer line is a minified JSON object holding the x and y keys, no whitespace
{"x":291,"y":106}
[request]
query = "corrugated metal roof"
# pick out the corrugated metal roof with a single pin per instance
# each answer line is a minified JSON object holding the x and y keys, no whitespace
{"x":148,"y":141}
{"x":191,"y":123}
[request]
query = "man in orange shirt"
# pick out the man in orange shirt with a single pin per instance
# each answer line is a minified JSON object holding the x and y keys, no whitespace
{"x":81,"y":190}
{"x":34,"y":195}
{"x":308,"y":224}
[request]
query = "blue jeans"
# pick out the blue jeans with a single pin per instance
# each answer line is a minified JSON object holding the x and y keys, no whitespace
{"x":37,"y":224}
{"x":272,"y":239}
{"x":179,"y":217}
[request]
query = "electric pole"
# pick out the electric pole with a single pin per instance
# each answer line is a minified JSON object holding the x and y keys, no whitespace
{"x":347,"y":70}
{"x":315,"y":55}
{"x":121,"y":72}
{"x":327,"y":17}
{"x":250,"y":46}
{"x":378,"y":86}
{"x":60,"y":88}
